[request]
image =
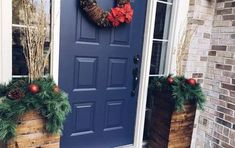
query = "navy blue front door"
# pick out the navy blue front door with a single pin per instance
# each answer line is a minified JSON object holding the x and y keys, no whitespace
{"x":97,"y":70}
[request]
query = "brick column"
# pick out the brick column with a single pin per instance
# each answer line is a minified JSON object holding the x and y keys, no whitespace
{"x":217,"y":123}
{"x":196,"y":62}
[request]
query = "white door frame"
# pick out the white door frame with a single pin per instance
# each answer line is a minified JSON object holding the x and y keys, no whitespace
{"x":146,"y":62}
{"x":144,"y":73}
{"x":145,"y":65}
{"x":6,"y":58}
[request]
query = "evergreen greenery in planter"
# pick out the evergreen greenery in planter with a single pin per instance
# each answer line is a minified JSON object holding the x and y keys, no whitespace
{"x":182,"y":90}
{"x":173,"y":111}
{"x":20,"y":97}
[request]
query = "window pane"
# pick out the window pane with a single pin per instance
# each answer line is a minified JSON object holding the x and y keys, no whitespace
{"x":158,"y":58}
{"x":19,"y":66}
{"x":17,"y":12}
{"x":162,"y":22}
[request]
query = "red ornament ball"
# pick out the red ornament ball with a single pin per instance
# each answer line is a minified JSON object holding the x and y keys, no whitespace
{"x":33,"y":88}
{"x":170,"y":80}
{"x":56,"y":89}
{"x":191,"y":82}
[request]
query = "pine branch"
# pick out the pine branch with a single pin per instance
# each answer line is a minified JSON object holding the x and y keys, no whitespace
{"x":53,"y":106}
{"x":180,"y":90}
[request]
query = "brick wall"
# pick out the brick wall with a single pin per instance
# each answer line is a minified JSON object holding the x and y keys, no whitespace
{"x":214,"y":64}
{"x":200,"y":20}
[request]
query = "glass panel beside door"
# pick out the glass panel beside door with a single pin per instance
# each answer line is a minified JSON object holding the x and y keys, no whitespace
{"x":162,"y":21}
{"x":19,"y":66}
{"x":160,"y":47}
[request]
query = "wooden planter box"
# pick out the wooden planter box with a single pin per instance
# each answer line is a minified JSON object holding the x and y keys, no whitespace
{"x":170,"y":129}
{"x":31,"y":133}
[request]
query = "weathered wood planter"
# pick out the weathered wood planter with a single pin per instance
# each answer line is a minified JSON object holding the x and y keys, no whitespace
{"x":170,"y":129}
{"x":31,"y":133}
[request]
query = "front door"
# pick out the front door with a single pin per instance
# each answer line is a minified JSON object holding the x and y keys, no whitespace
{"x":99,"y":68}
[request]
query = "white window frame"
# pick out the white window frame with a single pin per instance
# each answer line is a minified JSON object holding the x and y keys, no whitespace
{"x":6,"y":40}
{"x":55,"y":39}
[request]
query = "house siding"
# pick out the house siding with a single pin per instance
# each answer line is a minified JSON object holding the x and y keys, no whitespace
{"x":211,"y":60}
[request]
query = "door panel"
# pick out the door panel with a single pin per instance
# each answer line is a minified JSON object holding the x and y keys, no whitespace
{"x":96,"y":70}
{"x":85,"y":73}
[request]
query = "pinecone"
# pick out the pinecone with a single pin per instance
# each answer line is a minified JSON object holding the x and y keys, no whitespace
{"x":16,"y":94}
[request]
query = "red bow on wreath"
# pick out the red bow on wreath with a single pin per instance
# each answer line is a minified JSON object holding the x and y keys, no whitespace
{"x":120,"y":15}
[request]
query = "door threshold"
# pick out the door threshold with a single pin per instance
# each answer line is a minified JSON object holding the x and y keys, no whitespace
{"x":126,"y":146}
{"x":132,"y":146}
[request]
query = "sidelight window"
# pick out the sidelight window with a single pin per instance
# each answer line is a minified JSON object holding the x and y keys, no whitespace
{"x":19,"y":67}
{"x":161,"y":37}
{"x":160,"y":48}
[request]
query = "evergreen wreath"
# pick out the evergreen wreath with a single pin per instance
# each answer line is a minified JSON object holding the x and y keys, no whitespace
{"x":19,"y":97}
{"x":181,"y":89}
{"x":123,"y":13}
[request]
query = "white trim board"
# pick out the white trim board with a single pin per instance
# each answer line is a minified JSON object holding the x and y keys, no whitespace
{"x":144,"y":73}
{"x":0,"y":41}
{"x":55,"y":41}
{"x":5,"y":40}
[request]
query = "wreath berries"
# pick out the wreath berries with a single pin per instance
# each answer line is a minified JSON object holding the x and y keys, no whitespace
{"x":123,"y":13}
